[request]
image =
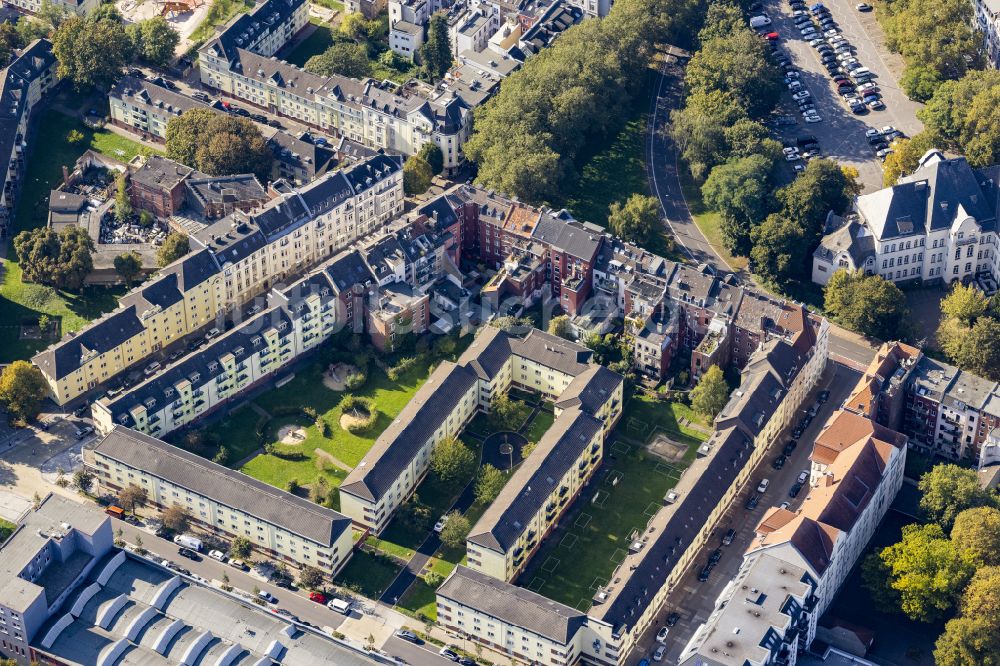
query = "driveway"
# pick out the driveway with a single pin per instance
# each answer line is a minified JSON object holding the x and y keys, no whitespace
{"x":694,"y":600}
{"x":842,"y":134}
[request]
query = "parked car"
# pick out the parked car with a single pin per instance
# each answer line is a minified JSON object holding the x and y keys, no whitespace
{"x":408,"y":636}
{"x":790,"y":446}
{"x":239,"y":564}
{"x":779,"y":462}
{"x":803,"y":476}
{"x":439,"y":525}
{"x":268,"y":597}
{"x":823,"y":396}
{"x":672,"y":619}
{"x":217,"y":555}
{"x":661,"y":635}
{"x":784,"y":505}
{"x":729,"y":536}
{"x":863,"y":7}
{"x":318,"y":597}
{"x":659,"y":652}
{"x":448,"y":653}
{"x":752,"y":502}
{"x":794,"y":490}
{"x":715,"y":556}
{"x":188,"y":553}
{"x":762,"y":486}
{"x":706,"y":572}
{"x":83,"y":431}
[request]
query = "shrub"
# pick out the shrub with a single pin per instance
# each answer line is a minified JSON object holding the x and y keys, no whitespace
{"x":363,"y":409}
{"x":222,"y":457}
{"x":356,"y":380}
{"x":293,"y":485}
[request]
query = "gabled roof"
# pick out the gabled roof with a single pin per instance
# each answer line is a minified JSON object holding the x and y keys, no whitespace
{"x":228,"y":487}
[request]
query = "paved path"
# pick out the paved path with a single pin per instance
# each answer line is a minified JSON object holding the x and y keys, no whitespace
{"x":258,"y":409}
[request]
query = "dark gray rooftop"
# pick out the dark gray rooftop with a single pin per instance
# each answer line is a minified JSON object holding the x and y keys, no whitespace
{"x":569,"y":237}
{"x":511,"y":604}
{"x":228,"y":487}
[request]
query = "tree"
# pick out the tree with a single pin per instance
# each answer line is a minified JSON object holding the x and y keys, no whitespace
{"x":947,"y":490}
{"x":875,"y":576}
{"x":700,"y":129}
{"x":176,"y":518}
{"x":962,"y":116}
{"x":61,"y":260}
{"x":982,"y":595}
{"x":417,"y":175}
{"x":175,"y":246}
{"x":431,"y":153}
{"x":240,"y":548}
{"x":74,"y":136}
{"x":976,"y":534}
{"x":978,"y":349}
{"x":452,"y":461}
{"x":489,"y":484}
{"x":637,"y":220}
{"x":9,"y":40}
{"x":319,"y":490}
{"x":157,"y":41}
{"x":218,"y":144}
{"x":132,"y":496}
{"x":311,"y":578}
{"x":53,"y":15}
{"x":905,"y":157}
{"x":560,"y":326}
{"x":435,"y":52}
{"x":22,"y":389}
{"x":129,"y":266}
{"x":455,"y":531}
{"x":867,"y":304}
{"x":139,"y":548}
{"x":344,"y":59}
{"x":927,"y":571}
{"x":821,"y":188}
{"x":919,"y":83}
{"x":739,"y":190}
{"x":968,"y":641}
{"x":778,"y":249}
{"x":83,"y":480}
{"x":92,"y":52}
{"x":354,"y":26}
{"x":506,"y":414}
{"x":964,"y":303}
{"x":711,"y":394}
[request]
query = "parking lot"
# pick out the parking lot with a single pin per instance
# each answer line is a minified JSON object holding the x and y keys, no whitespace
{"x":841,"y":133}
{"x":693,"y":599}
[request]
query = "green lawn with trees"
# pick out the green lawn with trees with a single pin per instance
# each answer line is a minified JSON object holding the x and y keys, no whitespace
{"x":218,"y":15}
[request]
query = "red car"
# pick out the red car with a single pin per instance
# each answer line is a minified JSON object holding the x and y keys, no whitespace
{"x":771,"y":36}
{"x":318,"y":597}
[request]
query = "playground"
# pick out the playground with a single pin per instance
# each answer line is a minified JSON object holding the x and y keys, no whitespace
{"x":184,"y":16}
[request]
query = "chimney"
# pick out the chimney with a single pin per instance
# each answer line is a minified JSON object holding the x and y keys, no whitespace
{"x":828,"y":479}
{"x":65,"y":171}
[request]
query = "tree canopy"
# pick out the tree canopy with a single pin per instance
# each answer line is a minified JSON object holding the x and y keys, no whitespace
{"x":740,"y":191}
{"x":218,"y":144}
{"x":452,"y":461}
{"x":963,"y":116}
{"x":431,"y":153}
{"x":129,"y":266}
{"x":927,"y":572}
{"x":435,"y":52}
{"x":92,"y":51}
{"x":968,"y":641}
{"x":174,"y":246}
{"x":867,"y":304}
{"x":711,"y":394}
{"x":976,"y":534}
{"x":154,"y":40}
{"x":560,"y":326}
{"x":417,"y":175}
{"x":343,"y":58}
{"x":947,"y":490}
{"x":22,"y":389}
{"x":637,"y":219}
{"x":61,"y":260}
{"x":906,"y":157}
{"x":455,"y":531}
{"x":489,"y":483}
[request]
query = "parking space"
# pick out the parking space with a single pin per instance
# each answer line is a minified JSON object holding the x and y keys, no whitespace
{"x":841,"y":134}
{"x":693,"y":599}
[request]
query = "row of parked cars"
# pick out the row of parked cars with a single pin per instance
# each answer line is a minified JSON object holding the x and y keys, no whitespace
{"x":800,"y":94}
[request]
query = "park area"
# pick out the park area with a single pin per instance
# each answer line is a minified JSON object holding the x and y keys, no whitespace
{"x":593,"y":537}
{"x":21,"y":304}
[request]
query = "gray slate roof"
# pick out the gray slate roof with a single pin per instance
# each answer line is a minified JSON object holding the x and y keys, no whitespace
{"x":512,"y":604}
{"x":239,"y":491}
{"x":535,"y":481}
{"x":573,"y":238}
{"x":590,"y":390}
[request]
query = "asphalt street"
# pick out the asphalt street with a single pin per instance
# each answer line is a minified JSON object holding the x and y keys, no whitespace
{"x":694,"y":600}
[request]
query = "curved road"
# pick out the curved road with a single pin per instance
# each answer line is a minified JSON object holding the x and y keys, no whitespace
{"x":662,"y":168}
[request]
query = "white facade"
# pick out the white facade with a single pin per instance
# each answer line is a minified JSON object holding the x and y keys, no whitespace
{"x":988,"y":22}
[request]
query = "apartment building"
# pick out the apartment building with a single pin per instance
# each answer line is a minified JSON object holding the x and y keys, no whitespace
{"x":395,"y":312}
{"x":222,"y":501}
{"x":455,"y":392}
{"x":471,"y":24}
{"x":510,"y":619}
{"x":935,"y":226}
{"x":164,"y":188}
{"x":758,"y":618}
{"x":144,"y":107}
{"x":53,"y":547}
{"x":231,"y":262}
{"x":988,"y":22}
{"x":31,"y":74}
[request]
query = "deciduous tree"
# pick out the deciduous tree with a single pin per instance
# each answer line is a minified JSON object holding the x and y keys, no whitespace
{"x":83,"y":480}
{"x":61,"y":260}
{"x":132,"y":496}
{"x":560,"y":326}
{"x":947,"y":490}
{"x":711,"y":394}
{"x":867,"y":304}
{"x":455,"y":530}
{"x":637,"y":220}
{"x":982,"y":595}
{"x":218,"y":144}
{"x":489,"y":484}
{"x":452,"y":461}
{"x":129,"y":266}
{"x":311,"y":578}
{"x":739,"y":190}
{"x":417,"y":175}
{"x":22,"y":389}
{"x":155,"y":40}
{"x":343,"y":58}
{"x":778,"y":249}
{"x":927,"y":571}
{"x":174,"y":246}
{"x":964,"y":303}
{"x":92,"y":52}
{"x":976,"y":534}
{"x":968,"y":641}
{"x":240,"y":548}
{"x":431,"y":153}
{"x":176,"y":518}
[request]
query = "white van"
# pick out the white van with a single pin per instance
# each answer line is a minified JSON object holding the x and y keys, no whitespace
{"x":860,"y":71}
{"x":759,"y":21}
{"x":339,"y":605}
{"x":188,"y":542}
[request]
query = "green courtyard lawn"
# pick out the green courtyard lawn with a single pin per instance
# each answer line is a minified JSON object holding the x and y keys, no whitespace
{"x":316,"y":43}
{"x":594,"y":536}
{"x":218,"y":15}
{"x":237,"y":432}
{"x":643,"y":416}
{"x":335,"y":5}
{"x":542,"y":422}
{"x":368,"y":574}
{"x":6,"y":529}
{"x":22,"y":303}
{"x":420,"y":600}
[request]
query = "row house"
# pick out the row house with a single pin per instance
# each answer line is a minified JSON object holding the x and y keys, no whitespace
{"x":31,"y":74}
{"x":145,"y":106}
{"x":222,"y":501}
{"x":935,"y":226}
{"x":231,"y":262}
